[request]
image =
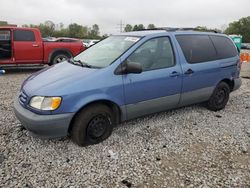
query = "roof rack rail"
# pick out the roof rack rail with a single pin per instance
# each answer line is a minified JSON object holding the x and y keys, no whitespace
{"x":180,"y":29}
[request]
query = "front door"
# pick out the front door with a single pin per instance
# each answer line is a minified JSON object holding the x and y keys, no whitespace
{"x":27,"y":49}
{"x":158,"y":87}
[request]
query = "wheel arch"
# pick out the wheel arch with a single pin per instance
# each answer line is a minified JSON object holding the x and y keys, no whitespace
{"x":229,"y":82}
{"x":112,"y":105}
{"x":59,"y":50}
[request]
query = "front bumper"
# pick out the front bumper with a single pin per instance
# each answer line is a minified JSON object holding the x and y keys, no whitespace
{"x":48,"y":126}
{"x":237,"y":83}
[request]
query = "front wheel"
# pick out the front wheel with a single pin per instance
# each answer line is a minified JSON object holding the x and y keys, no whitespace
{"x":219,"y":98}
{"x":92,"y":125}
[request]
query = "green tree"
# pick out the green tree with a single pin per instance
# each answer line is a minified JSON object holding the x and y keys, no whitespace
{"x":25,"y":25}
{"x":76,"y":31}
{"x":105,"y":36}
{"x":30,"y":25}
{"x":62,"y":33}
{"x":204,"y":28}
{"x":47,"y":28}
{"x":151,"y":26}
{"x":141,"y":27}
{"x":61,"y":25}
{"x":94,"y":32}
{"x":241,"y":27}
{"x":128,"y":28}
{"x":3,"y":23}
{"x":85,"y":31}
{"x":96,"y":29}
{"x":135,"y":28}
{"x":138,"y":27}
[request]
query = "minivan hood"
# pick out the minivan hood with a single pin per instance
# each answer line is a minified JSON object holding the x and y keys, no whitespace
{"x":53,"y":79}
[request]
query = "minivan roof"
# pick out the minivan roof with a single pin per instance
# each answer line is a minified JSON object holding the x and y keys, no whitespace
{"x":144,"y":33}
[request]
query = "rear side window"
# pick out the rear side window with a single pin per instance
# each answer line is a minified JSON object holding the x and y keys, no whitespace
{"x":224,"y":46}
{"x":24,"y":35}
{"x":197,"y":48}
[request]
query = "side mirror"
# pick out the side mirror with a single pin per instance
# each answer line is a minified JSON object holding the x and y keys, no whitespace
{"x":129,"y":67}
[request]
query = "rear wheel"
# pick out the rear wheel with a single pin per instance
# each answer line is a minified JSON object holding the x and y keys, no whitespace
{"x":219,"y":97}
{"x":59,"y":57}
{"x":92,"y":125}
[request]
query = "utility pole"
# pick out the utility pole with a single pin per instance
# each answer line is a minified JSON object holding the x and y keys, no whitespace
{"x":121,"y":26}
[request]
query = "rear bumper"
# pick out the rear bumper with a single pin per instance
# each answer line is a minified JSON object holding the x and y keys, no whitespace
{"x":47,"y":126}
{"x":237,"y":83}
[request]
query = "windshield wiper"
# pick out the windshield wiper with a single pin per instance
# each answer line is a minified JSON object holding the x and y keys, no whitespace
{"x":74,"y":62}
{"x":81,"y":63}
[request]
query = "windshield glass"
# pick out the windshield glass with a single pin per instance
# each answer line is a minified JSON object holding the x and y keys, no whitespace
{"x":107,"y":51}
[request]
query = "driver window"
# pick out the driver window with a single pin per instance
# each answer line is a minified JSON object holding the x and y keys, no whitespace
{"x":154,"y":54}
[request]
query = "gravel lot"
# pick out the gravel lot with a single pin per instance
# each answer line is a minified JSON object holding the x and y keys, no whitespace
{"x":187,"y":147}
{"x":245,"y":73}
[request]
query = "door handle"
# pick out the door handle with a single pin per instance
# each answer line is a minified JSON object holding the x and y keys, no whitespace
{"x":174,"y":74}
{"x":189,"y":71}
{"x":35,"y":45}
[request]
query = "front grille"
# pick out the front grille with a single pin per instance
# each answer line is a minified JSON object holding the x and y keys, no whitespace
{"x":23,"y":98}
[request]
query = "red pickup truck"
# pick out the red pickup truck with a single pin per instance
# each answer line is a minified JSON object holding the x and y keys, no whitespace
{"x":25,"y":46}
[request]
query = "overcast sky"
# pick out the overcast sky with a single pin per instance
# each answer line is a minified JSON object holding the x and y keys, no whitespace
{"x":108,"y":13}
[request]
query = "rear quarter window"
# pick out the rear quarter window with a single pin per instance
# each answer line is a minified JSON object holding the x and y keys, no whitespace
{"x":224,"y":47}
{"x":197,"y":48}
{"x":24,"y":35}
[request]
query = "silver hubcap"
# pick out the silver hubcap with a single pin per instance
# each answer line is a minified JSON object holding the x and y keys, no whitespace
{"x":60,"y":59}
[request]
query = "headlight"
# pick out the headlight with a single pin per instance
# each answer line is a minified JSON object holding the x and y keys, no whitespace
{"x":45,"y":103}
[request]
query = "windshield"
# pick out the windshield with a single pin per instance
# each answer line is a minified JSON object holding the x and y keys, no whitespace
{"x":107,"y":51}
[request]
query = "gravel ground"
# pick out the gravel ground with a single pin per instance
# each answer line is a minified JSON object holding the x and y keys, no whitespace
{"x":245,"y":73}
{"x":187,"y":147}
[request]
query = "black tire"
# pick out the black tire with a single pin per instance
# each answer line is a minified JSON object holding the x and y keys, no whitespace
{"x":92,"y":125}
{"x":59,"y":57}
{"x":219,"y":98}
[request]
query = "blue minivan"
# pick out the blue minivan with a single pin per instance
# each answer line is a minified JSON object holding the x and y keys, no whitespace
{"x":127,"y":76}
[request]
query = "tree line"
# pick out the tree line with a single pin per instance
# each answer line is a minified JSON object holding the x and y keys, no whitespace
{"x":138,"y":27}
{"x":240,"y":27}
{"x":74,"y":30}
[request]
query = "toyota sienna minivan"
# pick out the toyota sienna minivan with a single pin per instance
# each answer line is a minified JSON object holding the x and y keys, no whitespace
{"x":127,"y":76}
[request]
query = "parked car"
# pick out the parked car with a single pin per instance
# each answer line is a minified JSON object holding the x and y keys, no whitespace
{"x":127,"y":76}
{"x":25,"y":46}
{"x":85,"y":42}
{"x":46,"y":39}
{"x":245,"y":46}
{"x":88,"y":42}
{"x":66,"y":39}
{"x":49,"y":39}
{"x":93,"y":42}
